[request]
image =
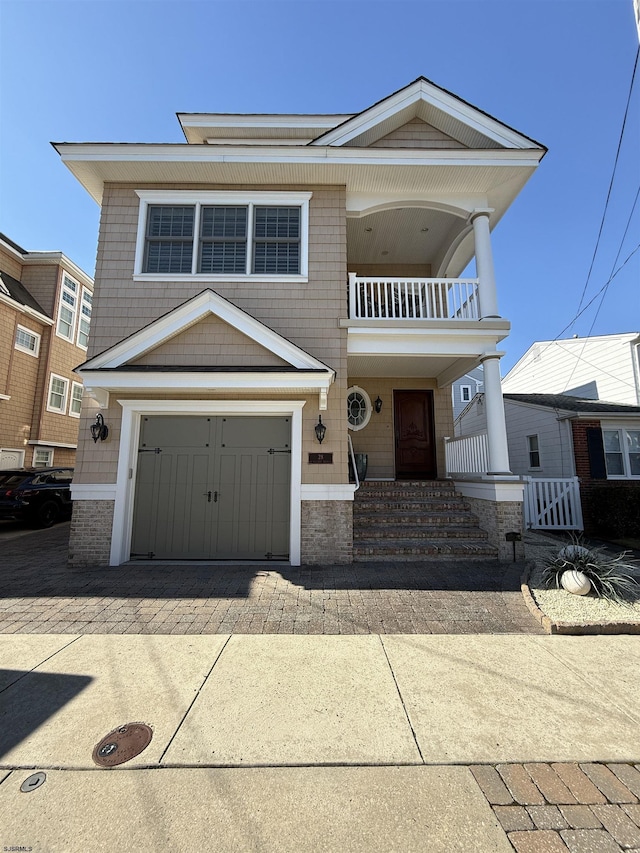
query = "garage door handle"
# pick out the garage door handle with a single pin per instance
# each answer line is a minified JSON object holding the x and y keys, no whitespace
{"x":215,"y":497}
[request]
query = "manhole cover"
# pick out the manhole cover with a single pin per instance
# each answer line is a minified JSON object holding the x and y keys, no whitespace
{"x":122,"y":744}
{"x":32,"y":782}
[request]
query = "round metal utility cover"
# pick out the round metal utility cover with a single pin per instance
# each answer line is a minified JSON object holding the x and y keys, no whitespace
{"x":32,"y":782}
{"x":122,"y":744}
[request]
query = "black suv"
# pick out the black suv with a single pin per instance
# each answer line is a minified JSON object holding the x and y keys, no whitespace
{"x":40,"y":496}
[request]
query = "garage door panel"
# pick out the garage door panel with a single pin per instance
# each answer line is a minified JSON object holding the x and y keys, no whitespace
{"x":247,"y":516}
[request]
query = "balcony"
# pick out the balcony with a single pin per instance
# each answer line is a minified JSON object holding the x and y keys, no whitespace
{"x":392,"y":298}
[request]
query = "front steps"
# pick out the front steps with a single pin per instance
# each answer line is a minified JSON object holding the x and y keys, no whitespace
{"x":415,"y":520}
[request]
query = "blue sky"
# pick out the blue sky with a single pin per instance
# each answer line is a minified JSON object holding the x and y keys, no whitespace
{"x":556,"y":70}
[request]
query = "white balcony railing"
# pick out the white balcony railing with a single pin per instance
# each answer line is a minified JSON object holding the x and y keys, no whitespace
{"x":468,"y":454}
{"x":413,"y":298}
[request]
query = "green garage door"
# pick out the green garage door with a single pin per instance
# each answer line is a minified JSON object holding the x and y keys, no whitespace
{"x":212,"y":488}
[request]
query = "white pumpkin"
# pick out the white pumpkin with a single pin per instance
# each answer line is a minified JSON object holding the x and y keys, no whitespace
{"x":576,"y":582}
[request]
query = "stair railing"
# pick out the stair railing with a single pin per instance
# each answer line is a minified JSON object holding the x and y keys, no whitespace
{"x":353,"y":463}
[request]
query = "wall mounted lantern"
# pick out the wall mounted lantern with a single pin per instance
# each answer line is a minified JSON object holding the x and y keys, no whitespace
{"x":320,"y":429}
{"x":99,"y":430}
{"x":377,"y":405}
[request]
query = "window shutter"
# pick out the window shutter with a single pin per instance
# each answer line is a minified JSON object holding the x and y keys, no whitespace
{"x":595,"y":449}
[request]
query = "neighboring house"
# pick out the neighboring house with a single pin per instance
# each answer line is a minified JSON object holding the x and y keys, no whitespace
{"x":45,"y":309}
{"x":606,"y":367}
{"x":463,"y":390}
{"x":559,"y":436}
{"x":275,"y":277}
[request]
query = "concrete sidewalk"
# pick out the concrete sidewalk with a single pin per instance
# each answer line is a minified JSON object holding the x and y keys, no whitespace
{"x":323,"y":743}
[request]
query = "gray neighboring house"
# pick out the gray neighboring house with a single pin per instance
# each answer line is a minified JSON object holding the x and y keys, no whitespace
{"x":559,"y":436}
{"x":463,"y":390}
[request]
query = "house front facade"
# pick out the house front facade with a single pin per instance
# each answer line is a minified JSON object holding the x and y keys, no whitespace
{"x":274,"y":297}
{"x":45,"y":312}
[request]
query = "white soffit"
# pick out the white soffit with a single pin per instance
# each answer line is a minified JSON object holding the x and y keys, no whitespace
{"x":186,"y":315}
{"x":199,"y":127}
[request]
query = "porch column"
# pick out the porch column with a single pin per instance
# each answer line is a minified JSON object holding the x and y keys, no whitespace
{"x":496,"y":427}
{"x":484,"y":263}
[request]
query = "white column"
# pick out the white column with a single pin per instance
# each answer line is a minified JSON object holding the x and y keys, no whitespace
{"x":496,"y":426}
{"x":484,"y":263}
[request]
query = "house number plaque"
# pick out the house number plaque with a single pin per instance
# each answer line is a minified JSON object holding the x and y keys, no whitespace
{"x":321,"y":459}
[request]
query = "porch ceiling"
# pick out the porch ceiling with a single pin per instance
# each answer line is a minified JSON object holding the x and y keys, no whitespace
{"x":411,"y":235}
{"x":444,"y":369}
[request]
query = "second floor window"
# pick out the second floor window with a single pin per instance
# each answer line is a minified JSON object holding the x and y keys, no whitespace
{"x":222,"y":233}
{"x":243,"y":240}
{"x":67,"y":309}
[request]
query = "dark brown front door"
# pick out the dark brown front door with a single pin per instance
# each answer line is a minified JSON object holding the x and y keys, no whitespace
{"x":415,"y":448}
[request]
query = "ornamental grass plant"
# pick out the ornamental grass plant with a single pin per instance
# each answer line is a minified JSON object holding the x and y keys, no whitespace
{"x":612,"y":577}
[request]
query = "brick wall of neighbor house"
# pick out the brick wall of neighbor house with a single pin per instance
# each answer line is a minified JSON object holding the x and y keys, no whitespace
{"x":90,"y":535}
{"x":377,"y":438}
{"x":498,"y":519}
{"x":327,"y":532}
{"x":609,"y":507}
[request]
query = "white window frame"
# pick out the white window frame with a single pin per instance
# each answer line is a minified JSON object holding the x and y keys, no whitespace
{"x":82,"y":317}
{"x":37,"y":338}
{"x":49,"y":453}
{"x":622,"y":430}
{"x":530,"y":451}
{"x":74,"y":387}
{"x":62,"y":304}
{"x":50,"y":408}
{"x":186,"y":198}
{"x":466,"y":388}
{"x":368,"y":408}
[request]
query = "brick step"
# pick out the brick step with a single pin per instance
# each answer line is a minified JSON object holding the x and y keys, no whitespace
{"x":418,"y":507}
{"x":411,"y":532}
{"x":407,"y":495}
{"x":399,"y":492}
{"x":434,"y":518}
{"x":408,"y":549}
{"x":381,"y":485}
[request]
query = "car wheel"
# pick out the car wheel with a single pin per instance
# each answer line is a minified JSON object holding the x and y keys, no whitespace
{"x":47,"y":514}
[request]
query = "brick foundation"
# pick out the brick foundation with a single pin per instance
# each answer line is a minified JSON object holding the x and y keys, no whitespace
{"x":326,"y":532}
{"x":498,"y":518}
{"x":90,"y":535}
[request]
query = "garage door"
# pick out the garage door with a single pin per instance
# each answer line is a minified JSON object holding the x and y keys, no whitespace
{"x":212,"y":488}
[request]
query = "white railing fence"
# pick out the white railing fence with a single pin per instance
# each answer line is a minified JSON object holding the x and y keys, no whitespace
{"x":413,"y":299}
{"x":468,"y":454}
{"x":553,"y":503}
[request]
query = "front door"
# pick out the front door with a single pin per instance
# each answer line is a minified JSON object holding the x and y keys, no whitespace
{"x":212,"y":488}
{"x":415,"y":446}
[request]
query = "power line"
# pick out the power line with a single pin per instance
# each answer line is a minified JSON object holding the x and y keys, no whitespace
{"x":604,"y":287}
{"x":604,"y":213}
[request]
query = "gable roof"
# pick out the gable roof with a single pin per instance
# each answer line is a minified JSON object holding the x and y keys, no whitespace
{"x":434,"y":105}
{"x":112,"y":370}
{"x":573,"y":404}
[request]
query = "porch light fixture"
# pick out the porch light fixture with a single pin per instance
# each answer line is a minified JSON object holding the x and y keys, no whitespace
{"x":377,"y":405}
{"x":99,"y":430}
{"x":320,"y":429}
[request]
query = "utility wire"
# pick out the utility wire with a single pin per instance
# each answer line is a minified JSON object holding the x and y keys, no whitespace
{"x":604,"y":287}
{"x":604,"y":290}
{"x":604,"y":213}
